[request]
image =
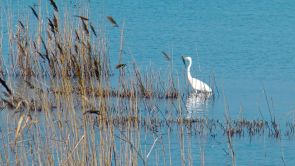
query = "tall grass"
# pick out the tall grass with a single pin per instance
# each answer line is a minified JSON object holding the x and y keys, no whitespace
{"x":64,"y":106}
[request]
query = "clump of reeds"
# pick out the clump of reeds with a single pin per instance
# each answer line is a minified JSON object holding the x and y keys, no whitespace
{"x":64,"y":74}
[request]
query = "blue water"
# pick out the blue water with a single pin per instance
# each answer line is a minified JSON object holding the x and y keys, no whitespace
{"x":249,"y":46}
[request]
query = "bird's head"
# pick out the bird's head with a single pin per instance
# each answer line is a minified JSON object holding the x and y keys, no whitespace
{"x":186,"y":58}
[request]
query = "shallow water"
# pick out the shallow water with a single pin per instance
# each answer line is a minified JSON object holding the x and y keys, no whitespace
{"x":247,"y":45}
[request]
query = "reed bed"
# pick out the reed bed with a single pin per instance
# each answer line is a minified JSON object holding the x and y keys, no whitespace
{"x":62,"y":110}
{"x":56,"y":91}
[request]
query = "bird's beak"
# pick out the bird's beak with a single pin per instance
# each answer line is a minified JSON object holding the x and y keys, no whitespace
{"x":183,"y":60}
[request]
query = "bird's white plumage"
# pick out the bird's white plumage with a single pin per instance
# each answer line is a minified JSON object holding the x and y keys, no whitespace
{"x":197,"y":85}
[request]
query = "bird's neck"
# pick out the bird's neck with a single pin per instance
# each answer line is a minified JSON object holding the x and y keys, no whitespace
{"x":189,"y":71}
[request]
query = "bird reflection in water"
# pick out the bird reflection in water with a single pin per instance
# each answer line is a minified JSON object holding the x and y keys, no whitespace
{"x":197,"y":105}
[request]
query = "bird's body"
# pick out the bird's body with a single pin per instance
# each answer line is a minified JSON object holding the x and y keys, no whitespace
{"x":197,"y":85}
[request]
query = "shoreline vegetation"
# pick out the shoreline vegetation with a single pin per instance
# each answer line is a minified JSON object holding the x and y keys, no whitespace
{"x":62,"y":110}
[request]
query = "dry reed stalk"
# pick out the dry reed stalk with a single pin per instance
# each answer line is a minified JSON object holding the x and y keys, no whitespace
{"x":229,"y":134}
{"x":189,"y":150}
{"x":181,"y":140}
{"x":1,"y":56}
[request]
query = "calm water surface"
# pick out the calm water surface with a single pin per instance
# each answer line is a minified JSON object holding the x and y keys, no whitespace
{"x":249,"y":46}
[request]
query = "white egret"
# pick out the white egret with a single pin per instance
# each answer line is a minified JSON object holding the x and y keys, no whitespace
{"x":198,"y":85}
